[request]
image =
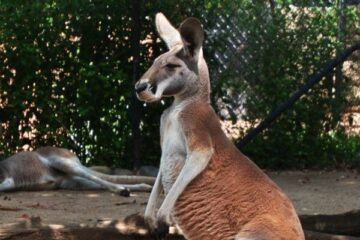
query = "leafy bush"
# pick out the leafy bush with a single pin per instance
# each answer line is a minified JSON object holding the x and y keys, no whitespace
{"x":282,"y":46}
{"x":66,"y":76}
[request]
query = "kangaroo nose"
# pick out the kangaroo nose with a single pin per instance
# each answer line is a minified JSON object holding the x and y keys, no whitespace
{"x":139,"y":87}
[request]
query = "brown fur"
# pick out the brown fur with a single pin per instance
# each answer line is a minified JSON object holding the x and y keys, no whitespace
{"x":28,"y":172}
{"x":52,"y":168}
{"x":232,"y":194}
{"x":213,"y":191}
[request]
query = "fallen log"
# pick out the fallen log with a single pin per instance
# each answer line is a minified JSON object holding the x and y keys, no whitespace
{"x":347,"y":223}
{"x":134,"y":227}
{"x":74,"y":234}
{"x":111,"y":231}
{"x":130,"y":228}
{"x":311,"y":235}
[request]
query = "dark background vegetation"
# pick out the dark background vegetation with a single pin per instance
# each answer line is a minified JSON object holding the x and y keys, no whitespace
{"x":68,"y":68}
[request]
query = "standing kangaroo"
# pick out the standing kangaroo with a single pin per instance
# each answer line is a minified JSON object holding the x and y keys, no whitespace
{"x":212,"y":191}
{"x":51,"y":168}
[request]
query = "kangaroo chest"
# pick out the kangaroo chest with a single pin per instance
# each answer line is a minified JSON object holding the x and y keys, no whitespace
{"x":172,"y":146}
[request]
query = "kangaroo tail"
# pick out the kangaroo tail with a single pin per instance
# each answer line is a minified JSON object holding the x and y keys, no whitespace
{"x":122,"y":179}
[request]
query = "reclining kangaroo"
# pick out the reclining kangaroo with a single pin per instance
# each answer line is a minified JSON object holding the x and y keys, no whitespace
{"x":212,"y":191}
{"x":51,"y":168}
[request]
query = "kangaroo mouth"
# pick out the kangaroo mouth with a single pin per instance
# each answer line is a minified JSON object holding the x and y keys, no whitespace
{"x":146,"y":91}
{"x":153,"y":89}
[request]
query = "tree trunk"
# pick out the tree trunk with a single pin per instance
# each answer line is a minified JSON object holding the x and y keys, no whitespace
{"x":338,"y":99}
{"x":135,"y":108}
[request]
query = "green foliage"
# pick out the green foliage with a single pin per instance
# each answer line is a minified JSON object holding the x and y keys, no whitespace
{"x":285,"y":45}
{"x":66,"y":76}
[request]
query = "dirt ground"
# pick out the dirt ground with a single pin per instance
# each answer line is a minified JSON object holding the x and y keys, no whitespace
{"x":312,"y":192}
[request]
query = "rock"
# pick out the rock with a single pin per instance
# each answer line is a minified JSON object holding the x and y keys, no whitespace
{"x":101,"y":169}
{"x":150,"y":171}
{"x":123,"y":172}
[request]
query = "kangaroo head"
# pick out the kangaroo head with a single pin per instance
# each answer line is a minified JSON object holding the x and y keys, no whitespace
{"x":176,"y":72}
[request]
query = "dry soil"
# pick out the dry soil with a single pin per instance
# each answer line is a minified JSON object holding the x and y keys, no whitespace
{"x":312,"y":192}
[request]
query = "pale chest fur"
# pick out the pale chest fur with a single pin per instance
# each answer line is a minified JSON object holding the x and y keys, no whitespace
{"x":173,"y":146}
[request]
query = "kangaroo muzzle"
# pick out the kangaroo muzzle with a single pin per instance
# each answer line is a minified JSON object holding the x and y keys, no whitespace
{"x":146,"y":91}
{"x":139,"y":87}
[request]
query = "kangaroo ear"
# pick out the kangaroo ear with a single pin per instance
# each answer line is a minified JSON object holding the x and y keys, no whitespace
{"x":192,"y":36}
{"x":167,"y":32}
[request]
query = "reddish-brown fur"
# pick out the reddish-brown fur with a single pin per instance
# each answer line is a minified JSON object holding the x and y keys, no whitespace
{"x":232,"y":194}
{"x":213,"y":191}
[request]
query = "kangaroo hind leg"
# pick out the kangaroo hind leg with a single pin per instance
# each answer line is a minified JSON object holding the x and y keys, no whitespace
{"x":76,"y":183}
{"x":263,"y":229}
{"x":7,"y":184}
{"x":75,"y":169}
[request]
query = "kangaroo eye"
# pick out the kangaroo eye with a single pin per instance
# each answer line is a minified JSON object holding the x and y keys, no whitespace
{"x":172,"y":65}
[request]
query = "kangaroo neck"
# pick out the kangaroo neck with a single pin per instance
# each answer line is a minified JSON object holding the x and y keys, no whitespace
{"x":184,"y":99}
{"x":198,"y":92}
